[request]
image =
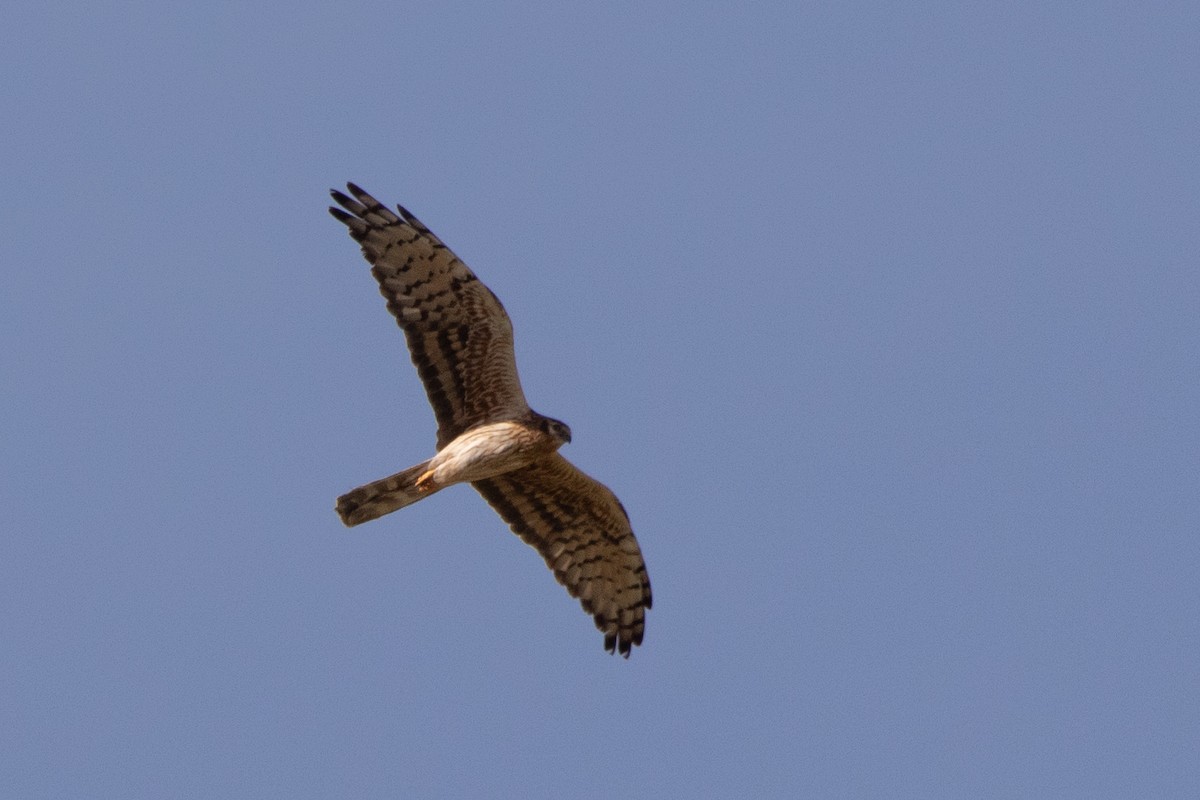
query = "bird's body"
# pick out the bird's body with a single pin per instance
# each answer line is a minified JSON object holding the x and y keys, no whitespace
{"x":461,"y":342}
{"x":485,"y":451}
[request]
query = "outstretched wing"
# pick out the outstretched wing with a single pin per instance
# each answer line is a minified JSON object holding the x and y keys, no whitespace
{"x":583,"y":532}
{"x":458,"y":333}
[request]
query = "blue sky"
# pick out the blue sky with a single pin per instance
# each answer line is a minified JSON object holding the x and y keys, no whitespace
{"x":881,"y":319}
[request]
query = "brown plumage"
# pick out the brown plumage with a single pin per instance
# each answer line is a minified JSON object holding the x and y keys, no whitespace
{"x":461,"y":342}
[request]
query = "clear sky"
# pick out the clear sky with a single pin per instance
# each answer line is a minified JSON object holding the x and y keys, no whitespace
{"x":880,"y":318}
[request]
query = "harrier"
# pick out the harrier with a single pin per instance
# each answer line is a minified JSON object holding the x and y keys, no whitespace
{"x":461,"y":342}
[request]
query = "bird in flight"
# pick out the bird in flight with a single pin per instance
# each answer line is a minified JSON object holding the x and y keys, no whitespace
{"x":461,"y":342}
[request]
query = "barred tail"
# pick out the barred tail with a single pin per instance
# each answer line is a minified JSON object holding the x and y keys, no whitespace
{"x":382,"y":496}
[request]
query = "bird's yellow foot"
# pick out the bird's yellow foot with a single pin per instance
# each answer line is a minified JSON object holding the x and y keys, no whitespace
{"x":424,"y":482}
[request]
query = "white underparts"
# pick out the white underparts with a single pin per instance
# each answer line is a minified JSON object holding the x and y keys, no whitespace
{"x":489,"y":450}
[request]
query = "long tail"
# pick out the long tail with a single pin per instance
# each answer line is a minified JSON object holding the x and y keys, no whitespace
{"x":382,"y":496}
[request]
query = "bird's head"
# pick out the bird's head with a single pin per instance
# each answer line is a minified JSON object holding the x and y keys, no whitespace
{"x":557,"y":429}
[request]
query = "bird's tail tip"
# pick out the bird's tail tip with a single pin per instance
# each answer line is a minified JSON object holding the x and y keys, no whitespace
{"x":375,"y":499}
